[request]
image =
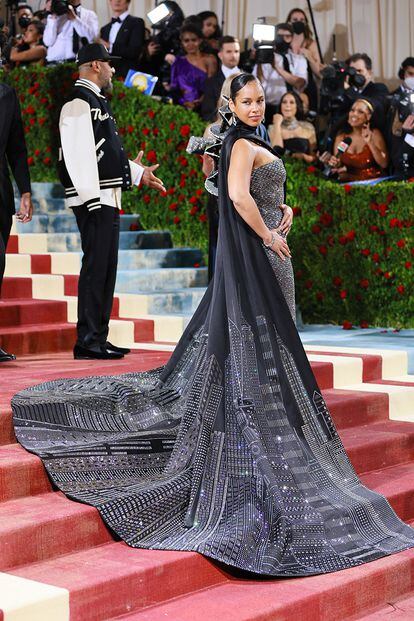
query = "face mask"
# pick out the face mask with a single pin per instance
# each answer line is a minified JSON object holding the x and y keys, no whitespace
{"x":298,"y":28}
{"x":280,"y":45}
{"x":24,"y":21}
{"x":409,"y":82}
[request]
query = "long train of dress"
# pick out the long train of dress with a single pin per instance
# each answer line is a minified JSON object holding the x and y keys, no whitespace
{"x":230,"y":449}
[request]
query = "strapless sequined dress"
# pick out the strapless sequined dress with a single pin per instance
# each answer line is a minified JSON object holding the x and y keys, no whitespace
{"x":229,"y":450}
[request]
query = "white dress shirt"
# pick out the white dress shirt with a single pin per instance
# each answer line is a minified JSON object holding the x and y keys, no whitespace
{"x":274,"y":85}
{"x":115,"y":28}
{"x":228,"y":71}
{"x":58,"y":34}
{"x":80,"y":155}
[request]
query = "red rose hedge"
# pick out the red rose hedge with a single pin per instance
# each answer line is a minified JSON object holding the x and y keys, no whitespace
{"x":352,"y":246}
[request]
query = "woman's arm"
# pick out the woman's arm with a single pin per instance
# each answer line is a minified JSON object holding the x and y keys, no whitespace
{"x":32,"y":55}
{"x":275,"y":131}
{"x":377,"y":146}
{"x":211,"y":65}
{"x":312,"y":56}
{"x":240,"y":171}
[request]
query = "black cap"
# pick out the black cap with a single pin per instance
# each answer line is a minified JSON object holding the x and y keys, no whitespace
{"x":94,"y":51}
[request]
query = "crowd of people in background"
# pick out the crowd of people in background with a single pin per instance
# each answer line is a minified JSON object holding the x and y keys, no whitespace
{"x":360,"y":131}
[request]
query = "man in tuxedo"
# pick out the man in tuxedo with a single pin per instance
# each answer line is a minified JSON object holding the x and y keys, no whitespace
{"x":229,"y":55}
{"x":13,"y":154}
{"x":124,"y":36}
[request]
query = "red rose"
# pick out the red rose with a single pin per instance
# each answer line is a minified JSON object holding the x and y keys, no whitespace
{"x":330,"y":240}
{"x":75,"y":75}
{"x":185,"y":130}
{"x":316,"y":229}
{"x":146,"y":198}
{"x":151,"y":114}
{"x":155,"y":131}
{"x":164,"y":194}
{"x":401,"y":243}
{"x":387,"y":275}
{"x":130,"y":129}
{"x":408,"y":264}
{"x":200,"y":192}
{"x":173,"y":207}
{"x":364,"y":324}
{"x":30,"y":110}
{"x":326,"y":219}
{"x":323,"y":250}
{"x":390,"y":197}
{"x":170,"y":191}
{"x":347,"y":188}
{"x":121,"y":95}
{"x":337,"y":281}
{"x":343,"y":294}
{"x":172,"y":125}
{"x":375,"y":257}
{"x":347,"y":325}
{"x":193,"y":211}
{"x":43,"y":100}
{"x":183,"y":161}
{"x":196,"y":264}
{"x":320,"y":296}
{"x":366,"y":252}
{"x":308,"y":284}
{"x":395,"y":223}
{"x":32,"y":121}
{"x":37,"y":152}
{"x":310,"y":170}
{"x":133,"y":227}
{"x":145,"y":131}
{"x":401,"y":289}
{"x":122,"y":131}
{"x":42,"y":120}
{"x":343,"y":240}
{"x":313,"y":189}
{"x":299,"y":274}
{"x":177,"y":220}
{"x":203,"y":217}
{"x":30,"y":161}
{"x":182,"y":183}
{"x":364,"y":283}
{"x":351,"y":235}
{"x":48,"y":149}
{"x":383,"y":208}
{"x":193,"y":200}
{"x":373,"y":206}
{"x":297,"y":211}
{"x":47,"y":161}
{"x":152,"y":156}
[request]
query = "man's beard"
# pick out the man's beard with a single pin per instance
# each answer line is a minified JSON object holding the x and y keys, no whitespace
{"x":108,"y":88}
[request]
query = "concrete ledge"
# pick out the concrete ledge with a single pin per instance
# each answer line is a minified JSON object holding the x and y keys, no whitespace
{"x":28,"y":600}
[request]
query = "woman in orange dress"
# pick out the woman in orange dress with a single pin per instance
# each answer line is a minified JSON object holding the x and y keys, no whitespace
{"x":367,"y":155}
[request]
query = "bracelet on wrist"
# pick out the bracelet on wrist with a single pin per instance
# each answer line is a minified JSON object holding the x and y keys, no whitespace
{"x":272,"y":241}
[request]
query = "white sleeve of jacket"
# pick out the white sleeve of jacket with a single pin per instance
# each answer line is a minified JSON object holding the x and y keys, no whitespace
{"x":136,"y":172}
{"x":79,"y":151}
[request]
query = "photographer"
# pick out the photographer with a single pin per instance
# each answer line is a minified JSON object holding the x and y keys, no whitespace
{"x":288,"y":71}
{"x":124,"y":36}
{"x":401,"y":122}
{"x":374,"y":91}
{"x":68,"y":28}
{"x":24,"y":16}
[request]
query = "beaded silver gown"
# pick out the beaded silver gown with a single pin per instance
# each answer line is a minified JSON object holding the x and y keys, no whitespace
{"x":230,"y":449}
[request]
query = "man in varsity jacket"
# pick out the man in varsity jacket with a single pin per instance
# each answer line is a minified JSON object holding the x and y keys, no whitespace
{"x":94,"y":170}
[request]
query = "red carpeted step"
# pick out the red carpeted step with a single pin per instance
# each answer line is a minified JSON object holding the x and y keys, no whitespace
{"x":329,"y":597}
{"x":323,"y":372}
{"x":114,"y":579}
{"x":38,"y":338}
{"x":397,"y":484}
{"x":40,"y":527}
{"x":371,"y":363}
{"x":115,"y":309}
{"x":21,"y":473}
{"x":16,"y":288}
{"x":379,"y":445}
{"x":13,"y":245}
{"x":143,"y":330}
{"x":20,"y":312}
{"x":70,"y":284}
{"x":401,"y":609}
{"x":41,"y":263}
{"x":350,"y":409}
{"x":6,"y":425}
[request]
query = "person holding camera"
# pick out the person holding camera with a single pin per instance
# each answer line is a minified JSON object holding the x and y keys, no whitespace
{"x":376,"y":92}
{"x":31,"y":50}
{"x":94,"y":168}
{"x":24,"y":16}
{"x":401,"y":122}
{"x":68,"y":28}
{"x":124,"y":36}
{"x":367,"y":154}
{"x":287,"y":71}
{"x":13,"y":156}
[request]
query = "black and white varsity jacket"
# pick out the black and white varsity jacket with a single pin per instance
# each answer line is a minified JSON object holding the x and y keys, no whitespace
{"x":91,"y":156}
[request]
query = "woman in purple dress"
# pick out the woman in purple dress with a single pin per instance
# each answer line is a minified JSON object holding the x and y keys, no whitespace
{"x":189,"y":72}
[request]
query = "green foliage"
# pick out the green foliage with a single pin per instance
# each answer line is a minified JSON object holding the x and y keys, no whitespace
{"x":353,"y":247}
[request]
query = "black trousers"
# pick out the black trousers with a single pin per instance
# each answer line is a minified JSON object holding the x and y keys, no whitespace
{"x":99,"y":230}
{"x":5,"y":226}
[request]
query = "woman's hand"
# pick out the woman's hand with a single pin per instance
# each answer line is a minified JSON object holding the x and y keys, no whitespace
{"x":286,"y":222}
{"x":277,"y":119}
{"x":279,"y":246}
{"x":366,"y":134}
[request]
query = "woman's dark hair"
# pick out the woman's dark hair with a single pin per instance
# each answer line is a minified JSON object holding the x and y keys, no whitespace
{"x":40,"y":27}
{"x":191,"y":26}
{"x":240,"y":82}
{"x":206,"y":15}
{"x":300,"y":115}
{"x":308,"y":31}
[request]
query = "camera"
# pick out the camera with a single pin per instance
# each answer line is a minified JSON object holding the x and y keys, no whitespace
{"x":335,"y":98}
{"x":59,"y":7}
{"x":404,"y":104}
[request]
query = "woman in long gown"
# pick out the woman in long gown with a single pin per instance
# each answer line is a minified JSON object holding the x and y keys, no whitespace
{"x":229,"y":450}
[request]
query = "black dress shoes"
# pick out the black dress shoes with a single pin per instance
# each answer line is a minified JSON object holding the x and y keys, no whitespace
{"x":121,"y":350}
{"x":5,"y":357}
{"x":95,"y":352}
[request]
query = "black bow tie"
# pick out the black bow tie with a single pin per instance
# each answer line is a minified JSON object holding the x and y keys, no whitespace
{"x":116,"y":20}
